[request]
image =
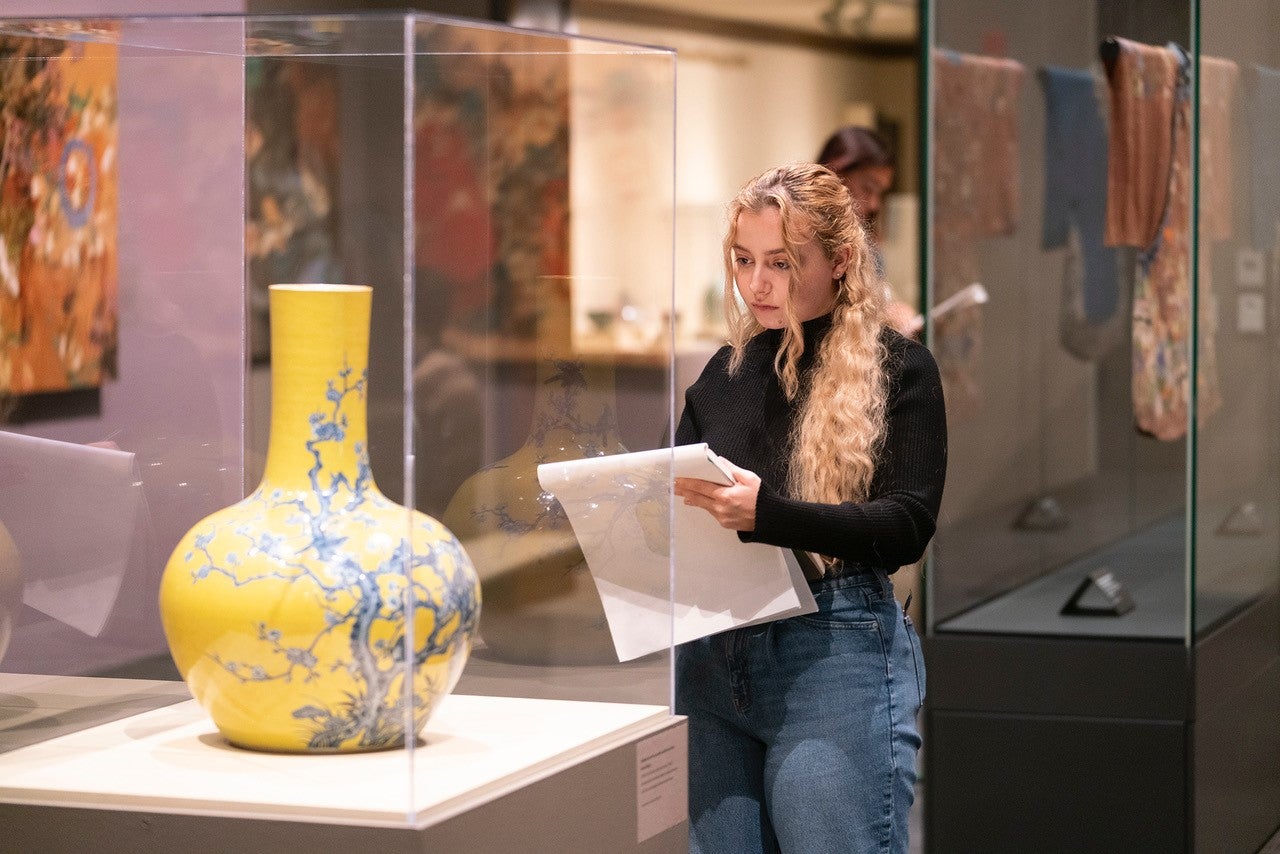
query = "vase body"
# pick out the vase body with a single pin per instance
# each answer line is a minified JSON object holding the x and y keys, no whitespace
{"x":541,"y":602}
{"x":288,"y":613}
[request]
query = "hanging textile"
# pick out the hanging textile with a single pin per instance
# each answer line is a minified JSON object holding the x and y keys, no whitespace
{"x":975,"y":196}
{"x":1075,"y":162}
{"x":1148,"y":206}
{"x":1219,"y":101}
{"x":1219,"y":96}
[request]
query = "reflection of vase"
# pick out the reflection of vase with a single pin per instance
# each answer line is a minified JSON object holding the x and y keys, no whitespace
{"x":540,"y":601}
{"x":10,"y":588}
{"x":285,"y":612}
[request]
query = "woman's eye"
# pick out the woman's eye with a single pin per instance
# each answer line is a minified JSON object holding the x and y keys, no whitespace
{"x":741,"y":262}
{"x":782,"y":265}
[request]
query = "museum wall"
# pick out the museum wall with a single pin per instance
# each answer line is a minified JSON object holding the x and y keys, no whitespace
{"x":737,"y":116}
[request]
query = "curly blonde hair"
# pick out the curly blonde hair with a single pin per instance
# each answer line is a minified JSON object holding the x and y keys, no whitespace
{"x":841,"y":422}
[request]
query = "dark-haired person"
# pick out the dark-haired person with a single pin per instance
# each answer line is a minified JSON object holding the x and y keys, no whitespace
{"x":862,"y":160}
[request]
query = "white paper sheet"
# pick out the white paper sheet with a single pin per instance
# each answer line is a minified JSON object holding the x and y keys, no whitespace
{"x":73,"y":513}
{"x":621,"y":507}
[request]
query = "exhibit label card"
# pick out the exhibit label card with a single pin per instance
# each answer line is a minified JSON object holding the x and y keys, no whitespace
{"x":662,"y":782}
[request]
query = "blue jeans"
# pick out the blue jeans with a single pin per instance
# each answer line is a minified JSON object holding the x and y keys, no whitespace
{"x":802,"y":732}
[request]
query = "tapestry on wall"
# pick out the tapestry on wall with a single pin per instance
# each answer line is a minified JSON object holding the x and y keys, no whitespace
{"x":491,"y":191}
{"x":292,"y":148}
{"x":58,"y":218}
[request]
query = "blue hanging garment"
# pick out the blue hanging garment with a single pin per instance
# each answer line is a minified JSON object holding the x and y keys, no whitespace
{"x":1076,"y":184}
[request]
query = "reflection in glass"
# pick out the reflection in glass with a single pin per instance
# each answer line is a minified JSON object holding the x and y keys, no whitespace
{"x":540,"y":600}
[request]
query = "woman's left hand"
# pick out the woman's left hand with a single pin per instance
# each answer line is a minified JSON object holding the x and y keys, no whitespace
{"x":733,"y":506}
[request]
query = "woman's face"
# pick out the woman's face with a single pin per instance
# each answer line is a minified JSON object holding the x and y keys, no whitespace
{"x":763,"y":274}
{"x":868,"y":186}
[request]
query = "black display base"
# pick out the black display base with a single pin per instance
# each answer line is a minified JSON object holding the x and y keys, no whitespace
{"x":1067,"y":744}
{"x":1087,"y":774}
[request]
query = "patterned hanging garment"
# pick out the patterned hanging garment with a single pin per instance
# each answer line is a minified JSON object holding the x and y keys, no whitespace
{"x":1149,"y":206}
{"x":975,"y":196}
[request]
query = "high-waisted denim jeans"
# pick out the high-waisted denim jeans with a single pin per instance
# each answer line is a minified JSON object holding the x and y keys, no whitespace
{"x":802,"y":732}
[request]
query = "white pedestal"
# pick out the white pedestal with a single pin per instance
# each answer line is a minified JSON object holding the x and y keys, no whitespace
{"x":491,"y":774}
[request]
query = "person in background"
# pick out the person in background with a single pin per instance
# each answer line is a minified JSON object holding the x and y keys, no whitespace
{"x":802,"y":731}
{"x":866,"y":166}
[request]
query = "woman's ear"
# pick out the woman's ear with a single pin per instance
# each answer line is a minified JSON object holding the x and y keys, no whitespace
{"x":841,"y":262}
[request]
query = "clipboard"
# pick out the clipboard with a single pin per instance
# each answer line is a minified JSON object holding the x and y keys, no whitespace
{"x":622,"y":512}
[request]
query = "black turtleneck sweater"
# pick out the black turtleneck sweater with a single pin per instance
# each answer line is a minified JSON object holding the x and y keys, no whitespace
{"x":747,"y":419}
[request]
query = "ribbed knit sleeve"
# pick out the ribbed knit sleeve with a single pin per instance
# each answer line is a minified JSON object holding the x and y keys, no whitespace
{"x":747,"y":419}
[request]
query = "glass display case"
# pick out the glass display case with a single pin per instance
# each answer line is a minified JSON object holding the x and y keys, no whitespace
{"x":159,"y":176}
{"x":1104,"y":638}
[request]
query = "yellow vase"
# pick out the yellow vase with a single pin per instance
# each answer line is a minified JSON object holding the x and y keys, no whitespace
{"x":286,"y":612}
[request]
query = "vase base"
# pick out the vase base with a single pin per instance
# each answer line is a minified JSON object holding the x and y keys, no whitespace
{"x":224,"y":740}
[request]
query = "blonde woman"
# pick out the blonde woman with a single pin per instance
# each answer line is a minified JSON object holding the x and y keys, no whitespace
{"x":802,"y":732}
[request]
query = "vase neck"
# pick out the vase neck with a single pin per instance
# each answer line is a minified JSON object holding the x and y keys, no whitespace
{"x":319,"y":386}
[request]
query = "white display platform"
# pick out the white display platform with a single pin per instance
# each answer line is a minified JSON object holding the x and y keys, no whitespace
{"x":475,"y":749}
{"x":36,"y":708}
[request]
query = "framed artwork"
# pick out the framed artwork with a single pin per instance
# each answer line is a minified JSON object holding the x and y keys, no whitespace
{"x":58,"y":215}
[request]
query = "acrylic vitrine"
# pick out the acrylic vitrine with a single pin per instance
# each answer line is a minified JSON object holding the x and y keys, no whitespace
{"x":1104,"y":637}
{"x":507,"y":195}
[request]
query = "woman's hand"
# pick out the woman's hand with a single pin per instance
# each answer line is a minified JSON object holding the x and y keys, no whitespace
{"x":733,"y":506}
